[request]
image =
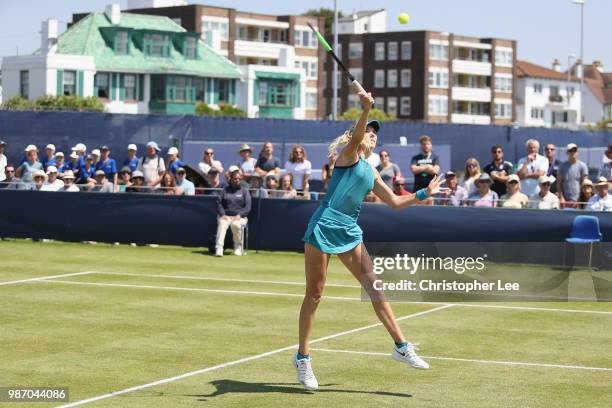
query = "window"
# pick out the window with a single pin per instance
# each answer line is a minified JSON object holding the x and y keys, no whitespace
{"x":438,"y":105}
{"x":379,"y":103}
{"x":275,"y":93}
{"x":224,"y":90}
{"x":438,"y":52}
{"x":310,"y":68}
{"x":537,"y":88}
{"x":406,"y":80}
{"x":129,"y":83}
{"x":311,"y":100}
{"x":353,"y":101}
{"x":503,"y":57}
{"x":392,"y":106}
{"x":503,"y":84}
{"x":355,"y":50}
{"x":156,"y":45}
{"x":537,"y":113}
{"x":406,"y":50}
{"x":379,"y":51}
{"x":305,"y":39}
{"x":392,"y":51}
{"x":438,"y":79}
{"x":554,"y":90}
{"x":282,"y":36}
{"x":69,"y":82}
{"x":392,"y":78}
{"x":379,"y":78}
{"x":190,"y":47}
{"x":200,"y":89}
{"x":503,"y":110}
{"x":405,"y":105}
{"x":122,"y":42}
{"x":221,"y":27}
{"x":570,"y":91}
{"x":158,"y":88}
{"x":357,"y":74}
{"x":102,"y":81}
{"x":263,"y":93}
{"x":24,"y":84}
{"x":264,"y":35}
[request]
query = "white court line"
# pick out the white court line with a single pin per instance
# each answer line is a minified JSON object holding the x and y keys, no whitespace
{"x":470,"y":360}
{"x":236,"y":362}
{"x":42,"y":278}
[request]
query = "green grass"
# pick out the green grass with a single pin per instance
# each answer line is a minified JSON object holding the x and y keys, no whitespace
{"x":98,"y":339}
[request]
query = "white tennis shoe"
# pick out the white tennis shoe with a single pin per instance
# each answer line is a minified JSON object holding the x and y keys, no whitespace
{"x":408,"y":355}
{"x":305,"y":375}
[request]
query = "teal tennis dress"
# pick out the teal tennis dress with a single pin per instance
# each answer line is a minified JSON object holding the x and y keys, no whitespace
{"x":333,"y":227}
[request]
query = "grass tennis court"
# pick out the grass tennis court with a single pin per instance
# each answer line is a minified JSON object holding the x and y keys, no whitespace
{"x":189,"y":330}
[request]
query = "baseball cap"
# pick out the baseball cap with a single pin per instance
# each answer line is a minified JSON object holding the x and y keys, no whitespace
{"x":513,"y":177}
{"x":398,"y":180}
{"x":59,"y":154}
{"x":173,"y":150}
{"x":51,"y":169}
{"x":80,"y":147}
{"x":89,"y":157}
{"x":571,"y":146}
{"x":95,"y":152}
{"x":153,"y":145}
{"x":2,"y":143}
{"x":601,"y":181}
{"x":233,"y":169}
{"x":486,"y":177}
{"x":375,"y":124}
{"x":74,"y":155}
{"x":546,"y":179}
{"x":68,"y":174}
{"x":137,"y":174}
{"x":132,"y":146}
{"x":31,"y":148}
{"x":181,"y":170}
{"x":50,"y":146}
{"x":105,"y":147}
{"x":100,"y":173}
{"x":449,"y":174}
{"x":126,"y":169}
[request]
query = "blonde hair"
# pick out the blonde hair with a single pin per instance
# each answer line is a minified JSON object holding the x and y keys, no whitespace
{"x":344,"y":139}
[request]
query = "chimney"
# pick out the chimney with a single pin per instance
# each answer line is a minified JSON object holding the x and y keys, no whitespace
{"x":598,"y":66}
{"x":579,"y":68}
{"x":48,"y":35}
{"x":556,"y":65}
{"x":113,"y":13}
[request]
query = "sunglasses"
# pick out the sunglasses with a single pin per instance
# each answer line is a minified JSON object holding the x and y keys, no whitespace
{"x":399,"y":184}
{"x":545,"y":184}
{"x":550,"y":148}
{"x":209,"y":153}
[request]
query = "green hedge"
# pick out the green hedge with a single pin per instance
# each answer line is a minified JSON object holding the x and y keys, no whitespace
{"x":225,"y":109}
{"x":49,"y":102}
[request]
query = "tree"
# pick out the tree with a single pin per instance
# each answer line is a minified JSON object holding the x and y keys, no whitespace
{"x":328,"y":14}
{"x":354,"y":113}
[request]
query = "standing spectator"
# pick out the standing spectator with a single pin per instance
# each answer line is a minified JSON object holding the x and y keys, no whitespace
{"x":208,"y":162}
{"x":607,"y":157}
{"x":27,"y":169}
{"x":602,"y":201}
{"x":514,"y":198}
{"x":95,"y":154}
{"x":59,"y":162}
{"x":286,"y":188}
{"x":233,"y":206}
{"x":570,"y":175}
{"x":69,"y":186}
{"x":138,"y":183}
{"x":454,"y":195}
{"x":167,"y":184}
{"x":152,"y":165}
{"x":471,"y":174}
{"x":38,"y":178}
{"x":374,"y":158}
{"x":124,"y":180}
{"x":247,"y":165}
{"x":174,"y":162}
{"x":3,"y":161}
{"x":484,"y":197}
{"x":299,"y":167}
{"x":87,"y":175}
{"x":108,"y":165}
{"x":499,"y":170}
{"x":132,"y":159}
{"x":102,"y":184}
{"x":74,"y":165}
{"x":424,"y":165}
{"x":185,"y":186}
{"x":10,"y":181}
{"x":553,"y":164}
{"x":531,"y":167}
{"x":399,"y":186}
{"x":49,"y":159}
{"x":267,"y":162}
{"x":388,"y":170}
{"x":52,"y":183}
{"x":328,"y":170}
{"x":545,"y":199}
{"x":586,"y":192}
{"x":606,"y":168}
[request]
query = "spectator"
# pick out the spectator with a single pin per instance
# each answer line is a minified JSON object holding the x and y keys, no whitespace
{"x":167,"y":185}
{"x":602,"y":201}
{"x":514,"y":198}
{"x":81,"y":149}
{"x":374,"y":158}
{"x":31,"y":165}
{"x":59,"y":162}
{"x":132,"y":159}
{"x":108,"y":165}
{"x":484,"y":197}
{"x":471,"y":174}
{"x":215,"y":183}
{"x":208,"y":162}
{"x":3,"y":160}
{"x":95,"y":154}
{"x":10,"y":181}
{"x":545,"y":199}
{"x":267,"y":162}
{"x":49,"y":159}
{"x":531,"y":167}
{"x":454,"y":195}
{"x":124,"y":180}
{"x":424,"y":165}
{"x":151,"y":165}
{"x":372,"y":198}
{"x":74,"y":165}
{"x":286,"y":189}
{"x":607,"y":157}
{"x":38,"y":178}
{"x":138,"y":183}
{"x":69,"y":183}
{"x":52,"y":183}
{"x":272,"y":186}
{"x":102,"y":184}
{"x":185,"y":186}
{"x":233,"y":206}
{"x":499,"y":170}
{"x":256,"y":189}
{"x":87,"y":173}
{"x":299,"y":167}
{"x":328,"y":170}
{"x":399,"y":186}
{"x":571,"y":173}
{"x":553,"y":164}
{"x":606,"y":168}
{"x":388,"y":170}
{"x":174,"y":162}
{"x":586,"y":192}
{"x":247,"y":165}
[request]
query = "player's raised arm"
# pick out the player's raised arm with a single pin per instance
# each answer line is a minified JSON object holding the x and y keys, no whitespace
{"x":359,"y":130}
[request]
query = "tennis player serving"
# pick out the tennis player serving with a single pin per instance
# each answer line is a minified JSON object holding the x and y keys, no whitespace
{"x":333,"y":229}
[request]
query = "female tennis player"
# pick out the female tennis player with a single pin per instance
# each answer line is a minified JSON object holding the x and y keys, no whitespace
{"x":333,"y":229}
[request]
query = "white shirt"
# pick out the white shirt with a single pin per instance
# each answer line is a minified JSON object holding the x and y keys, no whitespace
{"x":55,"y":186}
{"x":548,"y":202}
{"x":151,"y":168}
{"x":2,"y":167}
{"x":71,"y":189}
{"x":205,"y":167}
{"x":530,"y":186}
{"x":469,"y":184}
{"x":298,"y":169}
{"x":248,"y":166}
{"x":374,"y":159}
{"x":596,"y":203}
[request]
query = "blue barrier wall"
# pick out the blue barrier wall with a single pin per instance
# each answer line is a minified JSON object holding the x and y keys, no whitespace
{"x":273,"y":224}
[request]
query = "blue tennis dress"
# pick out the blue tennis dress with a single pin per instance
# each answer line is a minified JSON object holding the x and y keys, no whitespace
{"x":333,"y":227}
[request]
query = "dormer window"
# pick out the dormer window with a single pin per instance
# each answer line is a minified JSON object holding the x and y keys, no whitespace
{"x":156,"y":45}
{"x":190,"y":47}
{"x":122,"y":42}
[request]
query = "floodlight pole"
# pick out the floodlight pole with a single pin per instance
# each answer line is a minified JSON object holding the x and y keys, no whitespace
{"x":335,"y":72}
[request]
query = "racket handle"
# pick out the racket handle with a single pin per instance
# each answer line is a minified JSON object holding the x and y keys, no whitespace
{"x":358,"y":86}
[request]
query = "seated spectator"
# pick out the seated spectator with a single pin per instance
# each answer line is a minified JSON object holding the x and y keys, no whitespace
{"x":108,"y":165}
{"x":30,"y":166}
{"x":138,"y":183}
{"x":10,"y":181}
{"x":499,"y":170}
{"x":372,"y":198}
{"x":132,"y":159}
{"x":285,"y":187}
{"x":69,"y":185}
{"x":328,"y":169}
{"x":513,"y":197}
{"x":272,"y":186}
{"x":399,"y":185}
{"x":586,"y":192}
{"x":167,"y":185}
{"x":267,"y":162}
{"x":102,"y":184}
{"x":471,"y":174}
{"x":484,"y":196}
{"x":545,"y":199}
{"x":38,"y":179}
{"x":256,"y":189}
{"x":124,"y":180}
{"x":454,"y":195}
{"x":299,"y":167}
{"x":247,"y":164}
{"x":87,"y":173}
{"x":215,"y":183}
{"x":233,"y":206}
{"x":185,"y":186}
{"x":602,"y":201}
{"x":174,"y":162}
{"x":388,"y":171}
{"x":52,"y":183}
{"x":49,"y":159}
{"x":3,"y":160}
{"x":607,"y":156}
{"x":152,"y":165}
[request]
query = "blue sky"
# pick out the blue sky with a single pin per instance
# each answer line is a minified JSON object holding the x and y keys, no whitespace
{"x":544,"y":29}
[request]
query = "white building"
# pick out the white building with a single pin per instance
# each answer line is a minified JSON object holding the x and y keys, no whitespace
{"x":547,"y":97}
{"x":597,"y":93}
{"x":361,"y":22}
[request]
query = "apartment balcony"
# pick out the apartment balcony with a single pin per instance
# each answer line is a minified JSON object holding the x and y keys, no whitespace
{"x":259,"y":49}
{"x":469,"y":119}
{"x":555,"y":100}
{"x":471,"y":67}
{"x":461,"y":93}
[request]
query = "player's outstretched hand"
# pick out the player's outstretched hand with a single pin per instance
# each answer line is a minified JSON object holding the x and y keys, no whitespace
{"x":366,"y":99}
{"x":434,"y":185}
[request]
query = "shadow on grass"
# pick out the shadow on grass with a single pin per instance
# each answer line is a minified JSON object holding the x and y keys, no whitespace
{"x":232,"y":386}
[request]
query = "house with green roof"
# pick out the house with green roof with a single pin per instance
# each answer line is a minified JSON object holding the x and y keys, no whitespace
{"x":134,"y":63}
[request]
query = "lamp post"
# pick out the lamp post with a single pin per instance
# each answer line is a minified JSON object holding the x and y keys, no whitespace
{"x":581,"y":4}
